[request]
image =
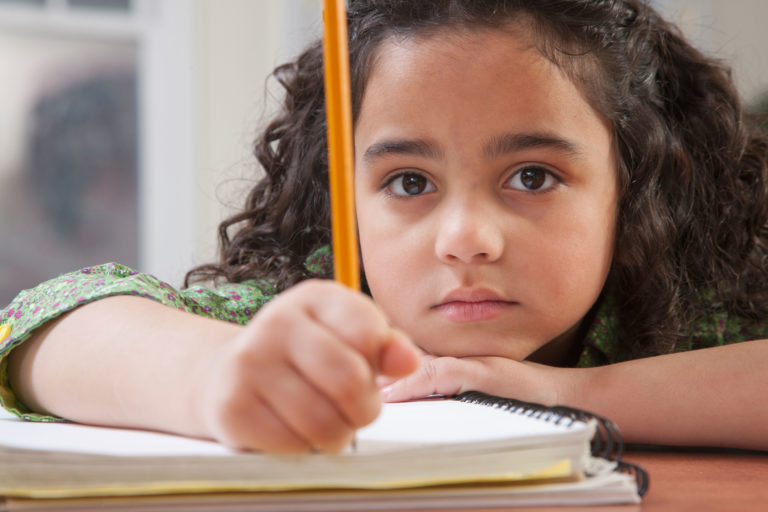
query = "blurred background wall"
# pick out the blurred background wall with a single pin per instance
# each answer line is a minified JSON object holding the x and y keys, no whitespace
{"x":736,"y":31}
{"x":126,"y":125}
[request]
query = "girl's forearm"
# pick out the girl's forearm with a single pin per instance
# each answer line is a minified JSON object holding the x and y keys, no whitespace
{"x":123,"y":361}
{"x":712,"y":397}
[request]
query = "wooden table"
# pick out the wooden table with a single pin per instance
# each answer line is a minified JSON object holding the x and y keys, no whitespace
{"x":691,"y":481}
{"x":683,"y":481}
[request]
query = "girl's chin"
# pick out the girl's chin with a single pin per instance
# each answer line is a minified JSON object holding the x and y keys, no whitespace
{"x":467,"y":345}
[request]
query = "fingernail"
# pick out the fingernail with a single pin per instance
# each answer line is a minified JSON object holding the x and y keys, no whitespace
{"x":386,"y":391}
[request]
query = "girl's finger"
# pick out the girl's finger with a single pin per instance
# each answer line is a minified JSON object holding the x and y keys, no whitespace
{"x":336,"y":370}
{"x":251,"y":424}
{"x":400,"y":356}
{"x":435,"y":376}
{"x":305,"y":410}
{"x":351,"y":316}
{"x":383,"y":381}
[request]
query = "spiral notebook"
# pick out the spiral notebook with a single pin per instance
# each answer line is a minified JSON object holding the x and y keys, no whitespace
{"x":470,"y":450}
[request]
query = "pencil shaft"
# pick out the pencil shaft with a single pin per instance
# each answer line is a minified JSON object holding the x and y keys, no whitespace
{"x":340,"y":144}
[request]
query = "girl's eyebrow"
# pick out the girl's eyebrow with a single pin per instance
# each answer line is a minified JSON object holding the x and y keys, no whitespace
{"x":415,"y":147}
{"x":512,"y":142}
{"x":497,"y":146}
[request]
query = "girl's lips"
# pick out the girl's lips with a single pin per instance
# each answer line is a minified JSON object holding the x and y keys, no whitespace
{"x":472,"y":311}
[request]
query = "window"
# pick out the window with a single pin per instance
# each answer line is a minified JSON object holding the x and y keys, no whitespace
{"x":189,"y":97}
{"x":69,"y":147}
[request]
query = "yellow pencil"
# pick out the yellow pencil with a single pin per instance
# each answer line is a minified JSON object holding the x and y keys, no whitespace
{"x":338,"y":111}
{"x":338,"y":105}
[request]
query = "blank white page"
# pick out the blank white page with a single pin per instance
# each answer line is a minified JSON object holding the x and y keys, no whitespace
{"x":451,"y":421}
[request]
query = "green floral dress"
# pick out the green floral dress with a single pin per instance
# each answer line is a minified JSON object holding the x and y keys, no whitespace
{"x":239,"y":302}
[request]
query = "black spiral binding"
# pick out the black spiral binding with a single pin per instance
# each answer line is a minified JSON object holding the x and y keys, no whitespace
{"x":607,"y":442}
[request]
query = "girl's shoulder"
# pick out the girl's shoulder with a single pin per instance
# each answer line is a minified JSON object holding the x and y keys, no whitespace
{"x":601,"y":342}
{"x":712,"y":325}
{"x":235,"y":302}
{"x":320,"y":261}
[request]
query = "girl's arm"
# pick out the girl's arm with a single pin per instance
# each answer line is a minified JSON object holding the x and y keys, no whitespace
{"x":707,"y":397}
{"x":120,"y":361}
{"x":299,"y":376}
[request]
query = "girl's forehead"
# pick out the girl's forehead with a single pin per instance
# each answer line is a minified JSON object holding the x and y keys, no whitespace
{"x":443,"y":50}
{"x":502,"y":65}
{"x":477,"y":58}
{"x":446,"y":40}
{"x":444,"y":53}
{"x":519,"y":41}
{"x":467,"y":88}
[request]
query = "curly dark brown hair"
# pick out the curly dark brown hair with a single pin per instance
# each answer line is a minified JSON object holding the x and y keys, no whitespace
{"x":693,"y":166}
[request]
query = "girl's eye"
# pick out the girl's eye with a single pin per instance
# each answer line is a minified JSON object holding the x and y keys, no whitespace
{"x":409,"y":184}
{"x":533,"y":179}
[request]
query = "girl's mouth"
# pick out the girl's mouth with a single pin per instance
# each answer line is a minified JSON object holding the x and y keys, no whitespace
{"x":472,"y":305}
{"x":477,"y":311}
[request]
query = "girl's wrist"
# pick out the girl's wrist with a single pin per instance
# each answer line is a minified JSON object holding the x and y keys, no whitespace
{"x":200,"y":379}
{"x":575,"y":385}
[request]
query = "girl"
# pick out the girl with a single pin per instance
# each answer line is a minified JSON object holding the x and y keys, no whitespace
{"x":558,"y":200}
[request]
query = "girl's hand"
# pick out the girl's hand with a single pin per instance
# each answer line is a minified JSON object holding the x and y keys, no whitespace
{"x":499,"y":376}
{"x":301,"y":375}
{"x":721,"y":387}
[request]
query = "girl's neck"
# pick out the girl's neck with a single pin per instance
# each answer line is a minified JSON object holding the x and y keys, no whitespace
{"x":565,"y":350}
{"x":562,"y":351}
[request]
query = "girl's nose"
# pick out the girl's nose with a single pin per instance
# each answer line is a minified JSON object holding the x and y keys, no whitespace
{"x":470,"y":234}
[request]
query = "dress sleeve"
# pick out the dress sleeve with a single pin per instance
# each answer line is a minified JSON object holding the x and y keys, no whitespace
{"x":34,"y":307}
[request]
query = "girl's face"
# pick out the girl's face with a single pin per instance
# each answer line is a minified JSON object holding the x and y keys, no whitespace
{"x":486,"y":194}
